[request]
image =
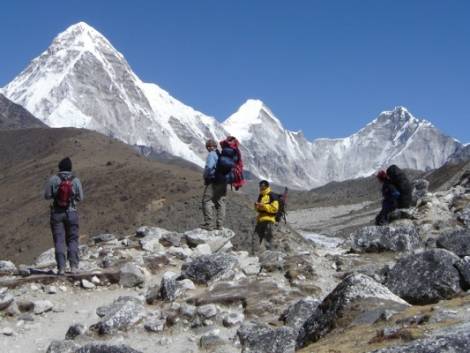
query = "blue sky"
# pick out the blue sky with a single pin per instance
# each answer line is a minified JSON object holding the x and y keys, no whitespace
{"x":325,"y":67}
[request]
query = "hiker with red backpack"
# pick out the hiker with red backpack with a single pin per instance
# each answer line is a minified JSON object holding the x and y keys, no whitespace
{"x":66,"y":191}
{"x":267,"y":207}
{"x":222,"y":168}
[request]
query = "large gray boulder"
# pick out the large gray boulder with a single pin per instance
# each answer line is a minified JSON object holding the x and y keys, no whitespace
{"x":426,"y":277}
{"x":260,"y":338}
{"x":216,"y":239}
{"x":130,"y":275}
{"x":123,"y":313}
{"x":357,"y":299}
{"x":385,"y":238}
{"x":457,"y":242}
{"x":105,"y":348}
{"x":205,"y":268}
{"x":450,"y":342}
{"x":296,"y":314}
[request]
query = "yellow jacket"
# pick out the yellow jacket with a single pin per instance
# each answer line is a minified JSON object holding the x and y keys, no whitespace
{"x":267,"y":211}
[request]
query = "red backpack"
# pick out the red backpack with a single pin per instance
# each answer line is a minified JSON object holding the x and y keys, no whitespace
{"x":64,"y":192}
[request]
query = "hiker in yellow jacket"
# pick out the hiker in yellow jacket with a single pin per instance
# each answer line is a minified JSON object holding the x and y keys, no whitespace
{"x":267,"y":206}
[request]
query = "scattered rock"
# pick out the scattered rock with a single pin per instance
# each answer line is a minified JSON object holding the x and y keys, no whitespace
{"x":420,"y":189}
{"x":5,"y":300}
{"x":249,"y":264}
{"x":207,"y":311}
{"x":103,"y":238}
{"x":120,"y":315}
{"x":87,"y":284}
{"x":358,"y":298}
{"x":448,"y":342}
{"x":51,"y":290}
{"x":62,"y":347}
{"x":211,"y":340}
{"x":260,"y":338}
{"x":131,"y":275}
{"x":296,"y":314}
{"x":95,"y":280}
{"x":463,"y":266}
{"x":205,"y":268}
{"x":7,"y":268}
{"x":464,"y":216}
{"x":153,"y":295}
{"x":13,"y":310}
{"x":155,"y":324}
{"x":171,"y":239}
{"x":188,"y":311}
{"x":105,"y":348}
{"x":181,"y":253}
{"x":202,"y":249}
{"x":168,"y":286}
{"x":151,"y":243}
{"x":272,"y":261}
{"x":75,"y":331}
{"x":426,"y":277}
{"x":385,"y":238}
{"x":457,"y":242}
{"x":155,"y":232}
{"x":47,"y":258}
{"x":7,"y":331}
{"x":42,"y":306}
{"x":155,"y":263}
{"x":233,"y":319}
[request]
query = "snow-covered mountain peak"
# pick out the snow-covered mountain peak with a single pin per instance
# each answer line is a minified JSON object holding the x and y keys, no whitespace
{"x":252,"y":112}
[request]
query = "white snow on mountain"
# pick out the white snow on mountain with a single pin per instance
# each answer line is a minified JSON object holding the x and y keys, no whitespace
{"x":82,"y":81}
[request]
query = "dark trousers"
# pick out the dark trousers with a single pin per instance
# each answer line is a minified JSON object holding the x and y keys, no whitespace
{"x":264,"y":231}
{"x":64,"y":226}
{"x":383,"y":216}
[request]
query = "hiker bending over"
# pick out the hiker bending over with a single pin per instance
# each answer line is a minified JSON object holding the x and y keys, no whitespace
{"x":399,"y":179}
{"x":267,"y":207}
{"x":215,"y":191}
{"x":66,"y":191}
{"x":390,"y":196}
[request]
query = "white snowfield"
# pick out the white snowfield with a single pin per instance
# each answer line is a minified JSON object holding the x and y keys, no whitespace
{"x":82,"y":81}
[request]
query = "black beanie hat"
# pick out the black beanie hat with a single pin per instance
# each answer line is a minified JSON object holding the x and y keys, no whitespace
{"x":65,"y":165}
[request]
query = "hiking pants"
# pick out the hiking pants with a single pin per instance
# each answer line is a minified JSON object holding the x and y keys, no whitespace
{"x":263,"y":231}
{"x":383,"y":217}
{"x":213,"y":201}
{"x":64,"y":226}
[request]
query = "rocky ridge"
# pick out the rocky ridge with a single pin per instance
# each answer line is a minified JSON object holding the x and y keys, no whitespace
{"x":191,"y":291}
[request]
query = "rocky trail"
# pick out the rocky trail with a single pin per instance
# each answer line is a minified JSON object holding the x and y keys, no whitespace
{"x":336,"y":284}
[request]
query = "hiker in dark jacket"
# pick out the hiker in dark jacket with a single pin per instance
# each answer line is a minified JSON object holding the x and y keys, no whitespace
{"x":215,"y":191}
{"x":66,"y":191}
{"x":266,"y":207}
{"x":390,"y":196}
{"x":399,"y":179}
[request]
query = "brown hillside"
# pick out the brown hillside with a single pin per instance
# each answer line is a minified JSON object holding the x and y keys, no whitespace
{"x":123,"y":190}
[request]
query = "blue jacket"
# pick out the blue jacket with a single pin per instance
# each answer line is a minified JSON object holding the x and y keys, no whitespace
{"x":211,"y":164}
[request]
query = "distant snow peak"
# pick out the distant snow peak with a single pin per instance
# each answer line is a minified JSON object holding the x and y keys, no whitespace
{"x":82,"y":81}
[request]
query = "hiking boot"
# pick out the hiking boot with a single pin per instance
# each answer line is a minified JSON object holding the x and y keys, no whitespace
{"x":74,"y":270}
{"x":61,"y":272}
